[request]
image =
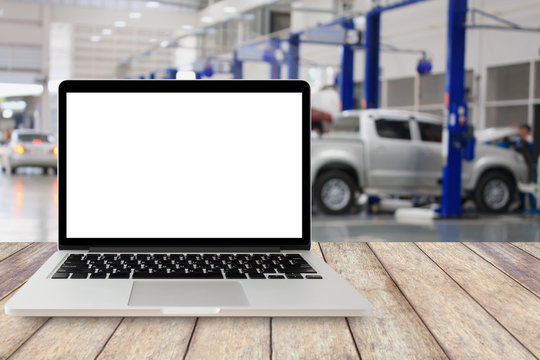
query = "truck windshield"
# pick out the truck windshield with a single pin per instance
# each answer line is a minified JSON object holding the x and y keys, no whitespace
{"x":41,"y":138}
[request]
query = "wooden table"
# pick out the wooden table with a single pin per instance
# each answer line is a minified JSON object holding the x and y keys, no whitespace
{"x":431,"y":301}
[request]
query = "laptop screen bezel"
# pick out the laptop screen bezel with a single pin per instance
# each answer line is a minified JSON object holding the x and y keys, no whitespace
{"x":188,"y":86}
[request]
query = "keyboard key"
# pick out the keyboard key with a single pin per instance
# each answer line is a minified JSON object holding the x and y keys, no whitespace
{"x":98,"y":275}
{"x":119,"y":275}
{"x":276,"y":277}
{"x":236,"y":276}
{"x":313,"y":277}
{"x":256,"y":276}
{"x":294,"y":276}
{"x":79,"y":276}
{"x":60,"y":276}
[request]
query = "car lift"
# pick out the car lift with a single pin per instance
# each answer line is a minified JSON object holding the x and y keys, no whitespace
{"x":458,"y":142}
{"x":325,"y":34}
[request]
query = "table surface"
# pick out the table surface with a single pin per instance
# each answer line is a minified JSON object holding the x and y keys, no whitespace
{"x":431,"y":301}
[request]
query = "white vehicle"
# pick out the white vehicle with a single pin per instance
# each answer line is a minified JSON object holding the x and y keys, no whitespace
{"x":399,"y":152}
{"x":30,"y":148}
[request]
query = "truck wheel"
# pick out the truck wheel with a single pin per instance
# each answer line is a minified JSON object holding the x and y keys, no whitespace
{"x":334,"y":192}
{"x":494,"y":192}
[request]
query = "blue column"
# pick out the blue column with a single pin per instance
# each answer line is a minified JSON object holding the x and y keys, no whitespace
{"x":371,"y":73}
{"x":346,"y":75}
{"x":275,"y":65}
{"x":170,"y":73}
{"x":293,"y":56}
{"x":237,"y":66}
{"x":454,"y":99}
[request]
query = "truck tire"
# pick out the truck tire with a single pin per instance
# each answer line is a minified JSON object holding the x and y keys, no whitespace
{"x":334,"y":192}
{"x":494,"y":192}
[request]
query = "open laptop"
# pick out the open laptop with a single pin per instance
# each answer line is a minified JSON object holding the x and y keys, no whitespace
{"x":185,"y":198}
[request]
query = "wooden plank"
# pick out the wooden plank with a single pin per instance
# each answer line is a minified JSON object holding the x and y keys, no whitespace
{"x":16,"y":269}
{"x":516,"y":263}
{"x":230,"y":338}
{"x":15,"y":330}
{"x":312,"y":338}
{"x":461,"y":326}
{"x":394,"y":330}
{"x":316,"y":249}
{"x":507,"y":301}
{"x":149,"y":338}
{"x":532,"y":248}
{"x":6,"y":249}
{"x":68,"y":338}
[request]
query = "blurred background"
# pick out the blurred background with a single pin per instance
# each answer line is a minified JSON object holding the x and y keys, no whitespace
{"x":43,"y":42}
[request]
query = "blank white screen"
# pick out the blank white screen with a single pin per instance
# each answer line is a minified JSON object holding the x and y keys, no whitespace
{"x":184,"y":165}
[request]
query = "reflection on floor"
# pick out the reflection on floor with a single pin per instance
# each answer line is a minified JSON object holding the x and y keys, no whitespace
{"x":28,"y":212}
{"x":28,"y":206}
{"x":386,"y":228}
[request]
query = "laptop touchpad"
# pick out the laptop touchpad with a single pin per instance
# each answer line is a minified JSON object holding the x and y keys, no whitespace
{"x":187,"y":293}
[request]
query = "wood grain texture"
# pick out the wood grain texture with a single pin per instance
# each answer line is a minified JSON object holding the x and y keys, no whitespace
{"x":315,"y":248}
{"x":463,"y":328}
{"x":149,"y":338}
{"x":532,"y":248}
{"x":516,"y":263}
{"x":394,"y":330}
{"x":15,"y":330}
{"x":515,"y":307}
{"x":17,"y":268}
{"x":312,"y":338}
{"x":68,"y":338}
{"x":8,"y":248}
{"x":230,"y":338}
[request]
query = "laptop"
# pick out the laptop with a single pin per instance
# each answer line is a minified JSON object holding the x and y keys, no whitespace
{"x":185,"y":198}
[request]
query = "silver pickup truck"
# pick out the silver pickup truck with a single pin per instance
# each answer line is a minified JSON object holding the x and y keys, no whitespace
{"x":399,"y":152}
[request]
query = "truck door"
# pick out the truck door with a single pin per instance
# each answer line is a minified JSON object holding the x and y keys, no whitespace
{"x":430,"y":169}
{"x":393,"y":160}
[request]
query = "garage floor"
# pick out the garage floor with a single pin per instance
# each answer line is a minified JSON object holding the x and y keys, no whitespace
{"x":28,"y":212}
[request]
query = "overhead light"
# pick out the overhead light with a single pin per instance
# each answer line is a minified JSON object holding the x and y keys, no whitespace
{"x":164,"y":44}
{"x":7,"y":114}
{"x":120,"y":23}
{"x":95,"y":38}
{"x":13,"y":105}
{"x":135,"y":15}
{"x":187,"y":27}
{"x":9,"y":89}
{"x":207,"y":19}
{"x":153,"y":40}
{"x":229,"y":9}
{"x":152,"y":4}
{"x":106,"y":32}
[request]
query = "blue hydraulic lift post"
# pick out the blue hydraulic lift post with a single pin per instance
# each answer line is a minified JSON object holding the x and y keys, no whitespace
{"x":275,"y":64}
{"x":237,"y":66}
{"x":346,"y":75}
{"x":454,"y":98}
{"x":372,"y":48}
{"x":293,"y":56}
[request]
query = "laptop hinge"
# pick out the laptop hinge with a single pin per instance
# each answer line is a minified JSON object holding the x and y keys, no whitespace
{"x":184,"y":249}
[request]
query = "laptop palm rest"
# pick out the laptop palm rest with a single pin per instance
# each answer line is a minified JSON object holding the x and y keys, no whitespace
{"x":188,"y":294}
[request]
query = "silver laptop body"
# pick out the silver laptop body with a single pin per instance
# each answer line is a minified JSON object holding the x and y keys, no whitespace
{"x":185,"y":198}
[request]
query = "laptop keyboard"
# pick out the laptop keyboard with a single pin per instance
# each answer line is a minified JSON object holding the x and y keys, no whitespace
{"x":185,"y":266}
